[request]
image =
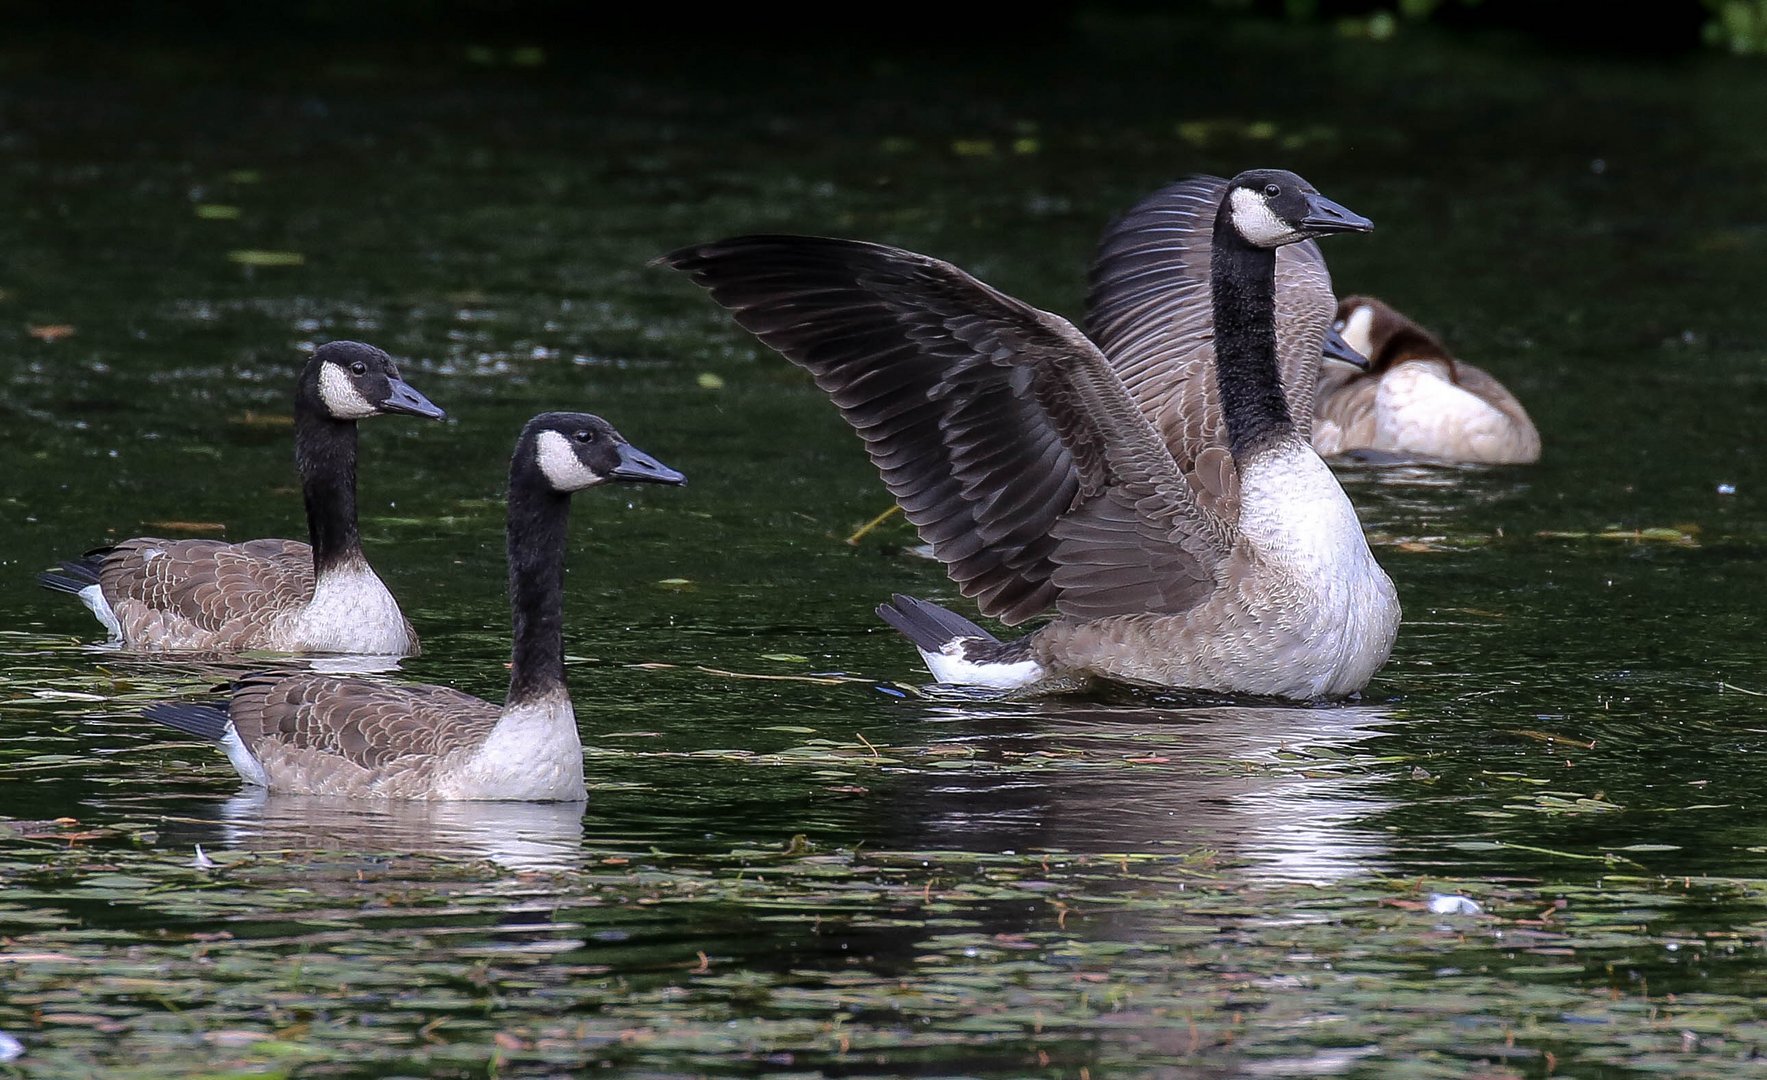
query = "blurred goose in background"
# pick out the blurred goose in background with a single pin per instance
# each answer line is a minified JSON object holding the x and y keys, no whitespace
{"x":1414,"y":397}
{"x":312,"y":734}
{"x":277,"y":595}
{"x":1042,"y":479}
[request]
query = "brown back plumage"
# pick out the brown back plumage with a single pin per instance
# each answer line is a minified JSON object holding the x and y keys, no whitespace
{"x":1151,"y":312}
{"x":230,"y":592}
{"x":999,"y":428}
{"x":358,"y":731}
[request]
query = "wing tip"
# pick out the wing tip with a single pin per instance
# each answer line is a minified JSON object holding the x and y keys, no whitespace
{"x":204,"y":721}
{"x":929,"y":626}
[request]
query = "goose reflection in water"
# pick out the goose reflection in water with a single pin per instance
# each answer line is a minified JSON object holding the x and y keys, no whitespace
{"x":1240,"y":780}
{"x":514,"y":835}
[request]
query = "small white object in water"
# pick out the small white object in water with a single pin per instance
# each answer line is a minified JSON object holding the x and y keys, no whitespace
{"x":1446,"y":904}
{"x":202,"y":861}
{"x":1727,"y":489}
{"x":10,"y":1047}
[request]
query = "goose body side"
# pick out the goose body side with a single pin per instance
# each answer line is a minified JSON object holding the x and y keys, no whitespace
{"x":1041,"y":482}
{"x":275,"y":595}
{"x":313,"y":734}
{"x":1303,"y":612}
{"x":1415,"y":398}
{"x":353,"y":738}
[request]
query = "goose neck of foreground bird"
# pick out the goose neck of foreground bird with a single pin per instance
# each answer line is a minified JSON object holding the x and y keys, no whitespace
{"x":539,"y":520}
{"x":325,"y":454}
{"x":1243,"y":283}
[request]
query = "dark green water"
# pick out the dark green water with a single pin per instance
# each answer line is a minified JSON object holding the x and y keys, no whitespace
{"x":1569,"y":732}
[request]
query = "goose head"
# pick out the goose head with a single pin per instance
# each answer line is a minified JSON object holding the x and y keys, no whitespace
{"x":1272,"y":207}
{"x":1372,"y":328}
{"x":572,"y":451}
{"x":348,"y":380}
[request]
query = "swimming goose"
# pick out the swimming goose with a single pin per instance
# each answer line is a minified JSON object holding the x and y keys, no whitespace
{"x":278,"y":595}
{"x":312,"y":734}
{"x":1020,"y":455}
{"x":1415,"y":397}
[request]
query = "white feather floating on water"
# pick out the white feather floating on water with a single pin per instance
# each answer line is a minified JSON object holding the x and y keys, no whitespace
{"x":1447,"y":904}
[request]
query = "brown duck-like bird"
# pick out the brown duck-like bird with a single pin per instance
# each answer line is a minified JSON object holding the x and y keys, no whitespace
{"x":1415,"y":398}
{"x":277,"y":595}
{"x":315,"y":734}
{"x":1042,"y":482}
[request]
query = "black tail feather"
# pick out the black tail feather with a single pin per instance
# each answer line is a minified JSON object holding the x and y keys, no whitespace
{"x":74,"y":577}
{"x":203,"y":721}
{"x":929,"y":626}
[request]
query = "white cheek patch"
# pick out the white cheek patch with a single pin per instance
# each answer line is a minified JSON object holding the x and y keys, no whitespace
{"x":342,"y":399}
{"x":1358,"y":330}
{"x":560,"y":463}
{"x":1254,"y":220}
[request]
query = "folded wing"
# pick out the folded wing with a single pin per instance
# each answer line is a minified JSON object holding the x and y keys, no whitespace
{"x":373,"y":726}
{"x":214,"y":585}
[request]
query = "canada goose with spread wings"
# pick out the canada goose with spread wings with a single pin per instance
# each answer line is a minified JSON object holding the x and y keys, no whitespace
{"x":275,"y":595}
{"x":1040,"y":482}
{"x":312,"y":734}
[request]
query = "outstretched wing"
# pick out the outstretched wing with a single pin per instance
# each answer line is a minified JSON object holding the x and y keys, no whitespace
{"x":371,"y":726}
{"x":212,"y":584}
{"x":999,"y":428}
{"x":1150,"y":309}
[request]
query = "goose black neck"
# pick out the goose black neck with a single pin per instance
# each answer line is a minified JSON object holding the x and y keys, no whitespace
{"x":1243,"y":281}
{"x":325,"y":454}
{"x":539,"y":520}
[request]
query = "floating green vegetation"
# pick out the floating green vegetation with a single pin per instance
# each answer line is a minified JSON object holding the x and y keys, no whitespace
{"x":1218,"y":131}
{"x":1676,"y":535}
{"x":791,"y":959}
{"x":251,"y":257}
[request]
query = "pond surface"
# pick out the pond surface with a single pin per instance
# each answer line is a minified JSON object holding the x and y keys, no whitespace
{"x":793,"y":863}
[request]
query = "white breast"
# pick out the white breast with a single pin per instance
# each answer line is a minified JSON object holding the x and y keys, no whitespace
{"x":351,"y":612}
{"x":1318,"y":584}
{"x":1294,"y":513}
{"x":534,"y":753}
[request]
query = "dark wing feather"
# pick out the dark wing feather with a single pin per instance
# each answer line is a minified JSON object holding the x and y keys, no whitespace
{"x":372,"y":725}
{"x":1150,"y":309}
{"x":212,"y":584}
{"x":992,"y":422}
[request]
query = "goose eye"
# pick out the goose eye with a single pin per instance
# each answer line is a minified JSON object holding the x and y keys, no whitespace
{"x":1272,"y":191}
{"x":584,"y":436}
{"x":359,"y":368}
